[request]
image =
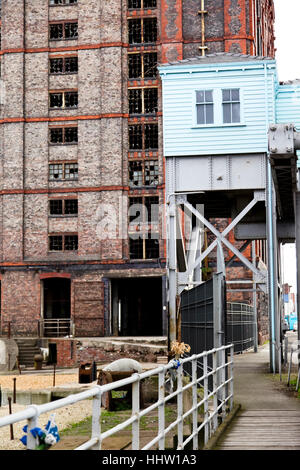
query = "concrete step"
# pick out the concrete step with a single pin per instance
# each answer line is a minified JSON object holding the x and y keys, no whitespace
{"x":27,"y":350}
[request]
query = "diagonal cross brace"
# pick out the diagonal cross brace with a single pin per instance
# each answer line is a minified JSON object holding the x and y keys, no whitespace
{"x":221,"y":237}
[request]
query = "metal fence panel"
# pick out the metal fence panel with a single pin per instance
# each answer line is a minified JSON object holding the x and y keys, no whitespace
{"x":240,"y":326}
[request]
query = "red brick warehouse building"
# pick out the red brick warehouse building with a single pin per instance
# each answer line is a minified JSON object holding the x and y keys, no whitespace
{"x":81,"y":129}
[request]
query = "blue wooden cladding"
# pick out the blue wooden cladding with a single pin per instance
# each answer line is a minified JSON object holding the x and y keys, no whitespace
{"x":246,"y":97}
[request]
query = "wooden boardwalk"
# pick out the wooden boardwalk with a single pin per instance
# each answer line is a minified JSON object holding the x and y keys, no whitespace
{"x":263,"y":430}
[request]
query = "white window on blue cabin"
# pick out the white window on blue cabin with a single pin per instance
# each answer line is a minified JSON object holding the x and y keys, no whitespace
{"x":231,"y":106}
{"x":205,"y":107}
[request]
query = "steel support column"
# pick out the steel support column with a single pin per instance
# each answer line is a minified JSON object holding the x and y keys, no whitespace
{"x":172,"y":268}
{"x":272,"y":272}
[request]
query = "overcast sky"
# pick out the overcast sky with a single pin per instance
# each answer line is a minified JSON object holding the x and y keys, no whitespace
{"x":287,"y":32}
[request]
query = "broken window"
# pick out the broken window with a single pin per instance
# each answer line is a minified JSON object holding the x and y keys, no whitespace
{"x":142,"y":30}
{"x":63,"y":65}
{"x":135,"y":66}
{"x":149,"y":3}
{"x":56,"y":135}
{"x":150,"y":65}
{"x":63,"y":242}
{"x":63,"y":2}
{"x":63,"y":135}
{"x":151,"y":136}
{"x":142,"y":65}
{"x":150,"y":100}
{"x":137,"y":4}
{"x":63,"y":207}
{"x":143,"y":137}
{"x":71,"y":206}
{"x":136,"y":173}
{"x":55,"y":243}
{"x":151,"y":173}
{"x":56,"y":207}
{"x":143,"y":100}
{"x":71,"y":171}
{"x":149,"y":30}
{"x":56,"y":171}
{"x":143,"y":173}
{"x":71,"y":242}
{"x":71,"y":99}
{"x":64,"y":99}
{"x":71,"y":64}
{"x":70,"y":135}
{"x":56,"y":100}
{"x":134,"y":4}
{"x":63,"y":171}
{"x":144,"y":248}
{"x":56,"y":66}
{"x":64,"y":30}
{"x":135,"y":101}
{"x":151,"y":209}
{"x":143,"y":210}
{"x":135,"y":137}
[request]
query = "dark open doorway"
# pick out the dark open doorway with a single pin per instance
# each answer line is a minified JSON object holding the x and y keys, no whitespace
{"x":57,"y":307}
{"x":137,"y":307}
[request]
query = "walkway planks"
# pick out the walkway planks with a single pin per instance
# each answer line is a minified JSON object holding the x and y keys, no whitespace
{"x":263,"y":430}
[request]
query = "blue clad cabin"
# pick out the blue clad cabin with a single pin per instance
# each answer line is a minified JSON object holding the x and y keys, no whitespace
{"x":224,"y":104}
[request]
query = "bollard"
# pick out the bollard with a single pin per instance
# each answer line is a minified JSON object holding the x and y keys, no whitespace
{"x":10,"y":426}
{"x":54,"y":367}
{"x":15,"y":391}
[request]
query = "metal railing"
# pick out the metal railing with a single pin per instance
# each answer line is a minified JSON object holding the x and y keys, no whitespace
{"x":55,"y":327}
{"x":212,"y":406}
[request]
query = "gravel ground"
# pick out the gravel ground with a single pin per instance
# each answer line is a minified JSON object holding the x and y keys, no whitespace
{"x":63,"y":416}
{"x":36,"y":381}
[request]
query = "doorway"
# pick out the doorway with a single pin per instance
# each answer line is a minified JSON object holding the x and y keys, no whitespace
{"x":57,"y":306}
{"x":137,"y":307}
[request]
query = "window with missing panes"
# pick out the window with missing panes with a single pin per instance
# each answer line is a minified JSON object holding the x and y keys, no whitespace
{"x":63,"y":242}
{"x":142,"y":65}
{"x":142,"y":30}
{"x":143,"y":137}
{"x":63,"y":171}
{"x":61,"y":207}
{"x":63,"y":135}
{"x":62,"y":2}
{"x":141,"y":4}
{"x":63,"y":31}
{"x":63,"y":65}
{"x":144,"y":247}
{"x":143,"y":100}
{"x":143,"y":173}
{"x":65,"y":99}
{"x":144,"y":210}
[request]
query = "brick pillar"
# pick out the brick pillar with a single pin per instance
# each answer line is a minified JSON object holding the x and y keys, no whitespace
{"x":171,"y":30}
{"x":235,"y":19}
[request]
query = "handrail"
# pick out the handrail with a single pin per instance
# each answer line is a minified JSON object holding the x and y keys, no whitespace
{"x":219,"y":397}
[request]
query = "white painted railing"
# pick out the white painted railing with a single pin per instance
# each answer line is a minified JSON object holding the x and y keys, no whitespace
{"x":216,"y":383}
